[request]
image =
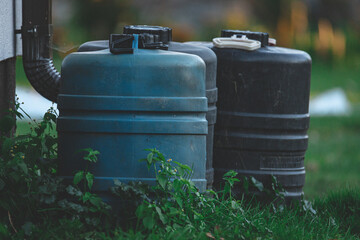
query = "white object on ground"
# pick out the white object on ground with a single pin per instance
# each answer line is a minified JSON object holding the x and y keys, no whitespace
{"x":330,"y":103}
{"x":34,"y":104}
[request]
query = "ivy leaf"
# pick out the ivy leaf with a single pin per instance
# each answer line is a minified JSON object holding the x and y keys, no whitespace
{"x":90,"y":179}
{"x":78,"y":177}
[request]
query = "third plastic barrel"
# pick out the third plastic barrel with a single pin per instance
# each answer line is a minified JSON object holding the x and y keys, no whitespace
{"x":263,"y":105}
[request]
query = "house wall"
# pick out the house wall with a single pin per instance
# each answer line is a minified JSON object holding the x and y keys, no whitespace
{"x":10,"y":19}
{"x":10,"y":47}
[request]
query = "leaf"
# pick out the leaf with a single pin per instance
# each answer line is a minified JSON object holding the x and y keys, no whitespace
{"x":91,"y":154}
{"x":231,"y":174}
{"x":2,"y":184}
{"x":246,"y":185}
{"x":73,"y":191}
{"x":6,"y":145}
{"x":307,"y":206}
{"x":140,"y":210}
{"x":96,"y":201}
{"x":150,"y":158}
{"x":143,"y":160}
{"x":209,"y":235}
{"x":177,"y":185}
{"x":161,"y":156}
{"x":23,"y":167}
{"x":90,"y":179}
{"x":173,"y":211}
{"x":162,"y":179}
{"x":234,"y":205}
{"x":183,"y":166}
{"x":87,"y":196}
{"x":78,"y":177}
{"x":257,"y":184}
{"x":19,"y":115}
{"x":117,"y":183}
{"x":179,"y":201}
{"x":50,"y":116}
{"x":27,"y":227}
{"x":7,"y":123}
{"x":148,"y":222}
{"x":161,"y":216}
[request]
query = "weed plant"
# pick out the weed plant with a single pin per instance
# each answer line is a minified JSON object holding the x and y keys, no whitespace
{"x":36,"y":204}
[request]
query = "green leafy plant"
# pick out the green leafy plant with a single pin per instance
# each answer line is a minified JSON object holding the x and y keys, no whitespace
{"x":27,"y":168}
{"x":85,"y":175}
{"x":36,"y":204}
{"x":178,"y":204}
{"x":81,"y":203}
{"x":30,"y":191}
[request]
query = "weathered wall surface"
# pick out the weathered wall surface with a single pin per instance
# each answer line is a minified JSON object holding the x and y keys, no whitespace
{"x":7,"y":85}
{"x":10,"y":19}
{"x":10,"y":47}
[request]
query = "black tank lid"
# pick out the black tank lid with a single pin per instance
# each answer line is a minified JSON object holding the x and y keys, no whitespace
{"x":123,"y":43}
{"x":165,"y":33}
{"x":259,"y":36}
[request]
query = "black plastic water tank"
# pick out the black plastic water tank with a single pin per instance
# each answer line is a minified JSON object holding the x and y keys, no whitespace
{"x":208,"y":57}
{"x":263,"y":115}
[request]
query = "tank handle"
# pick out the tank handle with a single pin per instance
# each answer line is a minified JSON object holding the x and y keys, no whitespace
{"x":238,"y":43}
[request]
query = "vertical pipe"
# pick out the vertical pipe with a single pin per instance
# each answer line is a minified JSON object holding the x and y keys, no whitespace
{"x":37,"y":55}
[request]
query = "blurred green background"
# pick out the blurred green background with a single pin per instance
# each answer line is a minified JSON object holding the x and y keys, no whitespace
{"x":327,"y":29}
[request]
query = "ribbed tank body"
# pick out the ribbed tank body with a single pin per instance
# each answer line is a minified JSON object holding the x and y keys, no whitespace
{"x":263,"y":115}
{"x":209,"y":58}
{"x":123,"y":104}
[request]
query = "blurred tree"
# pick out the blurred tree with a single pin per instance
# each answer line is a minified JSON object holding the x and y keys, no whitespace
{"x":100,"y":18}
{"x":337,"y":11}
{"x":269,"y":12}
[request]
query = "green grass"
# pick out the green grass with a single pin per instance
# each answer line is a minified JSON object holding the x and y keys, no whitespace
{"x":345,"y":75}
{"x":344,"y":206}
{"x":333,"y":157}
{"x":23,"y":127}
{"x":337,"y":216}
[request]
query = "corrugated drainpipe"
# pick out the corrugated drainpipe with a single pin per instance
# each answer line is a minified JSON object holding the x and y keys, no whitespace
{"x":36,"y":34}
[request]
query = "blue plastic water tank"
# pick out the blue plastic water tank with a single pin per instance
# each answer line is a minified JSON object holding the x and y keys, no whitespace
{"x":209,"y":57}
{"x":121,"y":104}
